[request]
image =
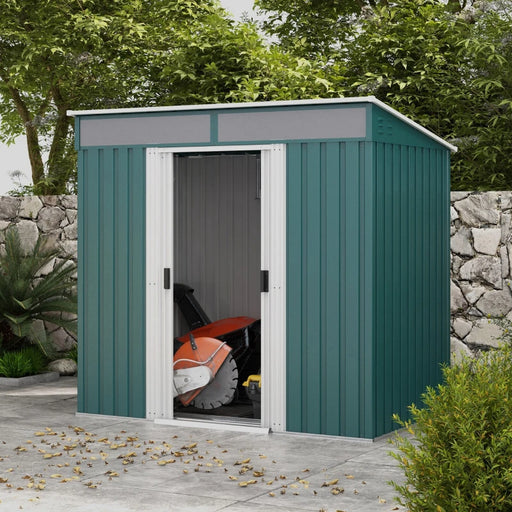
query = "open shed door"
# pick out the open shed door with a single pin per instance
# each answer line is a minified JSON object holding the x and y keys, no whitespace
{"x":216,"y":224}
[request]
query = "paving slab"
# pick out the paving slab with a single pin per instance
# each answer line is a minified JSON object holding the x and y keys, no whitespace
{"x":54,"y":460}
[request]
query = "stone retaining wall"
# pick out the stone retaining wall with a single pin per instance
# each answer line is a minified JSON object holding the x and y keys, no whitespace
{"x":53,"y":218}
{"x":481,"y":268}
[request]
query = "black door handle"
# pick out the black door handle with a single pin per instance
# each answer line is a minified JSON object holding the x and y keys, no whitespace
{"x":264,"y":281}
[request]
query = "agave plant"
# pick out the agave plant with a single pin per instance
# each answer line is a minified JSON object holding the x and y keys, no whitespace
{"x":26,"y":296}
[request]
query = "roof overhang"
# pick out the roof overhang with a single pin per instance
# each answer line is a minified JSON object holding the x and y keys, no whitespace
{"x":261,"y":104}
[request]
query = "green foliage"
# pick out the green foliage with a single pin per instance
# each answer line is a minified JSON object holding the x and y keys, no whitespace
{"x":308,"y":28}
{"x":27,"y":297}
{"x":27,"y":361}
{"x":445,"y":64}
{"x":459,"y":458}
{"x":57,"y":55}
{"x":230,"y":63}
{"x":14,"y":365}
{"x":447,"y":71}
{"x":38,"y":360}
{"x":73,"y":353}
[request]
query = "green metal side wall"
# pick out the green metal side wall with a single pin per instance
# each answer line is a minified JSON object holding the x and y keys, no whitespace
{"x":329,"y":288}
{"x":112,"y":282}
{"x":367,"y":283}
{"x":412,"y":310}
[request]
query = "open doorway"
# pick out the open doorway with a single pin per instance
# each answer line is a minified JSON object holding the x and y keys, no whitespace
{"x":216,"y":224}
{"x":217,"y":289}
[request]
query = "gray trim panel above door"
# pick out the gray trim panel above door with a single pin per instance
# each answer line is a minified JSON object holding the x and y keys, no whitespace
{"x":293,"y":125}
{"x":180,"y":129}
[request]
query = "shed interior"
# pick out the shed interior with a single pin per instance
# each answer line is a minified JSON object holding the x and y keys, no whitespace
{"x":217,"y":253}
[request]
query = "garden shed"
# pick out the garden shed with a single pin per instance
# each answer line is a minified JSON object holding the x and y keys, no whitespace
{"x":327,"y":221}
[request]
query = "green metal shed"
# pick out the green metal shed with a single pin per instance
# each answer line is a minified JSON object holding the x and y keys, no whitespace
{"x":344,"y":202}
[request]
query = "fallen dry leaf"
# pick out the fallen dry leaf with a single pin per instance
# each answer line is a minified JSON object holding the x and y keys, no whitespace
{"x":165,"y":462}
{"x":247,"y":482}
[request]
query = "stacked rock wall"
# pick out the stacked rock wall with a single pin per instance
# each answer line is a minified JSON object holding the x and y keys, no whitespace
{"x":53,"y":218}
{"x":481,"y":264}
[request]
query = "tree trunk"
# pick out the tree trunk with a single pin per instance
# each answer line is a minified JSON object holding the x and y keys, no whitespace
{"x":58,"y":164}
{"x":34,"y":150}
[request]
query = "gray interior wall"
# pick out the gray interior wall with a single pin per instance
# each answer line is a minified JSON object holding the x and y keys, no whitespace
{"x":217,"y":237}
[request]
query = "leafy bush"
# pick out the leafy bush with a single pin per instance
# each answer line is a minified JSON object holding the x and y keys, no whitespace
{"x":38,"y":361}
{"x":28,"y":361}
{"x":73,"y":353}
{"x":460,"y":458}
{"x":14,"y":365}
{"x":26,"y":297}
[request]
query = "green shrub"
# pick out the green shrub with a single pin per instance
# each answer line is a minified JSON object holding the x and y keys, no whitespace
{"x":14,"y":365}
{"x":460,"y":455}
{"x":73,"y":353}
{"x":26,"y":297}
{"x":38,"y":361}
{"x":27,"y":361}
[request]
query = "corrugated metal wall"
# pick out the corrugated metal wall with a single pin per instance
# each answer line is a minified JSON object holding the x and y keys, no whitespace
{"x":217,"y":224}
{"x":412,"y":321}
{"x":112,"y":282}
{"x":329,"y":288}
{"x":367,"y":283}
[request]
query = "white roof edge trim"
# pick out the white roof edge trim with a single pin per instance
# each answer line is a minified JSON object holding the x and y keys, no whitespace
{"x":219,"y":106}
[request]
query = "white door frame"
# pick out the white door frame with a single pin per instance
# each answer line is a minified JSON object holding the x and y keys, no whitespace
{"x":159,"y":302}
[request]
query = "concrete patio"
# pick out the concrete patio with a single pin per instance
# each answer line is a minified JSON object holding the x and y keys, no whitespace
{"x":53,"y":460}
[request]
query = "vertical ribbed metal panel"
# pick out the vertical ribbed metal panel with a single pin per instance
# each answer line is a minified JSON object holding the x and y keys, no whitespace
{"x":217,"y":233}
{"x":411,"y":276}
{"x":329,"y":291}
{"x":368,"y":303}
{"x":111,"y":282}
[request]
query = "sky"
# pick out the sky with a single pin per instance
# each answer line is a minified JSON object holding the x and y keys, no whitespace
{"x":15,"y":157}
